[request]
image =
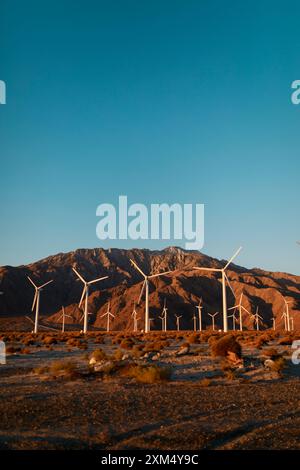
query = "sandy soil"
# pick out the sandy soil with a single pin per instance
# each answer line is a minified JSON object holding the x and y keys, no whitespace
{"x":257,"y":409}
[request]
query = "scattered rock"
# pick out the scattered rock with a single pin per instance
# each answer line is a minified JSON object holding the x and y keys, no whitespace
{"x":183,"y":350}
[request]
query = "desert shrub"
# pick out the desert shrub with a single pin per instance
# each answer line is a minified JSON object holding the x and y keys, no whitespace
{"x":41,"y":370}
{"x":222,"y":346}
{"x":278,"y":365}
{"x":286,"y":340}
{"x":118,"y":354}
{"x":62,"y":367}
{"x":206,"y":382}
{"x":13,"y":349}
{"x":25,"y":351}
{"x":230,"y":374}
{"x":98,"y":355}
{"x":193,"y":338}
{"x":127,"y":343}
{"x":148,"y":373}
{"x":49,"y":340}
{"x":272,"y":353}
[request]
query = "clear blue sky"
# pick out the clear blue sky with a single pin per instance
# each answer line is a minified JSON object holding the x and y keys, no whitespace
{"x":163,"y":101}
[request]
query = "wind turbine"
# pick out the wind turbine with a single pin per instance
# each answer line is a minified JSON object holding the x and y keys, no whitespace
{"x":165,"y":315}
{"x":212,"y":315}
{"x":287,"y":302}
{"x":85,"y":294}
{"x":285,"y":322}
{"x":233,"y":320}
{"x":146,"y":287}
{"x":178,"y":321}
{"x":224,"y":279}
{"x":108,"y":314}
{"x":199,"y":308}
{"x":63,"y":315}
{"x":150,"y":320}
{"x":162,"y":322}
{"x":257,"y":318}
{"x":241,"y":308}
{"x":36,"y":301}
{"x":135,"y":319}
{"x":274,"y":323}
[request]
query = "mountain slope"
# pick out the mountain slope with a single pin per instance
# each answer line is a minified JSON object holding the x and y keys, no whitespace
{"x":181,"y":289}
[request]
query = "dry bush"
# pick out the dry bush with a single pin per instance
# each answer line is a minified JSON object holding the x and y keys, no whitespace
{"x":262,"y":340}
{"x":272,"y":353}
{"x":286,"y":340}
{"x":222,"y":346}
{"x":98,"y":355}
{"x":62,"y":367}
{"x":118,"y":354}
{"x":12,"y":349}
{"x":206,"y":382}
{"x":41,"y":370}
{"x":148,"y":373}
{"x":25,"y":351}
{"x":49,"y":340}
{"x":127,"y":343}
{"x":278,"y":365}
{"x":230,"y":374}
{"x":193,"y":338}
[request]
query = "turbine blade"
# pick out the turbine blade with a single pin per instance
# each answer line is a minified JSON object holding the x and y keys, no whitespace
{"x":32,"y":282}
{"x":142,"y":291}
{"x":34,"y":299}
{"x":82,"y":296}
{"x":80,"y":277}
{"x":229,"y":284}
{"x":96,"y":280}
{"x":232,"y":258}
{"x":43,"y":285}
{"x":207,"y":269}
{"x":159,"y":274}
{"x":139,"y":269}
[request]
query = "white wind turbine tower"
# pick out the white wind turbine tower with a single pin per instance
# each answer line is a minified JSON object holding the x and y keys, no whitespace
{"x":274,"y":323}
{"x":233,"y":320}
{"x":224,"y":279}
{"x":287,"y":311}
{"x":199,"y":308}
{"x":36,"y":302}
{"x":178,"y":321}
{"x":150,"y":320}
{"x":285,"y":322}
{"x":164,"y":316}
{"x":146,"y":287}
{"x":63,"y":315}
{"x":107,"y":314}
{"x":241,"y":308}
{"x":85,"y":294}
{"x":212,"y":315}
{"x":257,"y":318}
{"x":135,"y":318}
{"x":162,"y":322}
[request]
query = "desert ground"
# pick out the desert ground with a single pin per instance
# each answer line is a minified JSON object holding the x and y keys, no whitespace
{"x":160,"y":391}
